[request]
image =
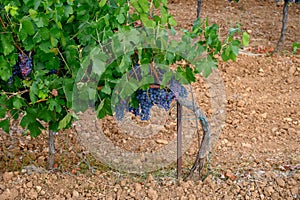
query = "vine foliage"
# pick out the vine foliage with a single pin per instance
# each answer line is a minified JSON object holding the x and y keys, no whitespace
{"x":65,"y":37}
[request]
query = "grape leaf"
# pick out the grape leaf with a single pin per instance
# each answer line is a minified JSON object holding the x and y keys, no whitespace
{"x":28,"y":26}
{"x":4,"y":124}
{"x":65,"y":121}
{"x":6,"y":42}
{"x":245,"y":39}
{"x":102,"y":3}
{"x":2,"y":111}
{"x":5,"y":71}
{"x":35,"y":129}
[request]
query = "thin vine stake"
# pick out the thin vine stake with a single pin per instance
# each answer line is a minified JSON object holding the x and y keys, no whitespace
{"x":199,"y":7}
{"x":203,"y":151}
{"x":51,"y":157}
{"x":284,"y":26}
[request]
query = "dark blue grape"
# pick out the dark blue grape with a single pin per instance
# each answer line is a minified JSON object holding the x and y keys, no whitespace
{"x":23,"y":67}
{"x":25,"y":64}
{"x":52,"y":71}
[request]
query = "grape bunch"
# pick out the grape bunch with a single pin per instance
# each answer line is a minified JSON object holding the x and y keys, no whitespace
{"x":146,"y":99}
{"x":23,"y":67}
{"x":162,"y":97}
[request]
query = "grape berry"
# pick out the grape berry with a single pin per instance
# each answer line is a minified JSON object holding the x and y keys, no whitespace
{"x":23,"y":67}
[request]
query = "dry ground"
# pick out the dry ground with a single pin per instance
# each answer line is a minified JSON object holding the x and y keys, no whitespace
{"x":257,"y":155}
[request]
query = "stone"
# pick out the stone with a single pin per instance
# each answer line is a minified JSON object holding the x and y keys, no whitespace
{"x":38,"y":188}
{"x":137,"y":187}
{"x":32,"y":194}
{"x":159,"y":141}
{"x":280,"y":182}
{"x":247,"y":145}
{"x":29,"y":184}
{"x":75,"y":194}
{"x":230,"y":175}
{"x":152,"y":194}
{"x":7,"y":176}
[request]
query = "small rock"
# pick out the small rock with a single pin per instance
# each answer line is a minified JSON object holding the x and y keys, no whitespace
{"x":297,"y":177}
{"x":9,"y":194}
{"x":38,"y":188}
{"x":290,"y":80}
{"x":75,"y":194}
{"x":280,"y":182}
{"x":123,"y":183}
{"x":264,"y":115}
{"x":137,"y":187}
{"x":268,"y":190}
{"x":288,"y":119}
{"x":230,"y":175}
{"x":152,"y":194}
{"x":33,"y":194}
{"x":292,"y":70}
{"x":192,"y":197}
{"x":247,"y":145}
{"x":29,"y":184}
{"x":150,"y":178}
{"x":7,"y":176}
{"x":159,"y":141}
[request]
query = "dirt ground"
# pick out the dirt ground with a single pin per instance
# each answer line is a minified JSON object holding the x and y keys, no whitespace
{"x":257,"y":155}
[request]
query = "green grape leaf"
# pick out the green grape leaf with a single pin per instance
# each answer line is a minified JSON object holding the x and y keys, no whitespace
{"x":3,"y":111}
{"x":129,"y":87}
{"x":18,"y":102}
{"x":5,"y":70}
{"x":4,"y":124}
{"x":68,"y":85}
{"x":102,"y":3}
{"x":46,"y":115}
{"x":206,"y":66}
{"x":245,"y":39}
{"x":7,"y":44}
{"x":121,"y":18}
{"x":106,"y":89}
{"x":28,"y":26}
{"x":65,"y":121}
{"x":190,"y":75}
{"x":166,"y":78}
{"x":35,"y":129}
{"x":28,"y":118}
{"x":99,"y":64}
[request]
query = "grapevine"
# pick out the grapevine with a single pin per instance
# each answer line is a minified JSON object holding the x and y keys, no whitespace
{"x":47,"y":47}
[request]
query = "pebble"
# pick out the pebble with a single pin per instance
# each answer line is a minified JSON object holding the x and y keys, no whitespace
{"x":159,"y":141}
{"x":152,"y":194}
{"x":7,"y":176}
{"x":137,"y":187}
{"x":32,"y":194}
{"x":75,"y":194}
{"x":280,"y":182}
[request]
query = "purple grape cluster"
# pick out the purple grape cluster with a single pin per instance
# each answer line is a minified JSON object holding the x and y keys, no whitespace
{"x":23,"y":67}
{"x":153,"y":96}
{"x":162,"y":97}
{"x":25,"y":64}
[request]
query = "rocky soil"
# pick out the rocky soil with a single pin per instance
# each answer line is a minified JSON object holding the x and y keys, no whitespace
{"x":257,"y":156}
